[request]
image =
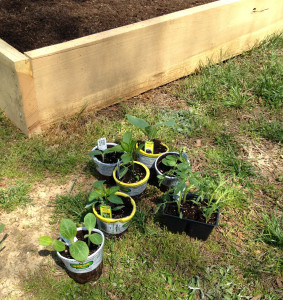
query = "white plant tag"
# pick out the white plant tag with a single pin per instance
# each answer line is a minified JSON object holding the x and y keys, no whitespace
{"x":101,"y":143}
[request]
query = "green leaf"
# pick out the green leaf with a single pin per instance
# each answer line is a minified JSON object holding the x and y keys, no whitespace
{"x":45,"y":241}
{"x":68,"y":229}
{"x":94,"y":195}
{"x":1,"y":227}
{"x":59,"y":245}
{"x":117,"y":148}
{"x":112,"y":190}
{"x":115,"y":199}
{"x":98,"y":184}
{"x":140,"y":123}
{"x":95,"y":152}
{"x":96,"y":238}
{"x":123,"y":172}
{"x":79,"y":251}
{"x":126,"y":158}
{"x":125,"y":146}
{"x":127,"y":137}
{"x":118,"y":207}
{"x":89,"y":221}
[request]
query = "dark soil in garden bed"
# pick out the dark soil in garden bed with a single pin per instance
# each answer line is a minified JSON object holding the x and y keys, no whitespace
{"x":32,"y":24}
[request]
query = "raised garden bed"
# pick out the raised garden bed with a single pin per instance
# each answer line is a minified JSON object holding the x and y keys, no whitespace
{"x":41,"y":86}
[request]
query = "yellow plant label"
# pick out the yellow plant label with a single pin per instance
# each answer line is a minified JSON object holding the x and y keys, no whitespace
{"x":148,"y":147}
{"x":105,"y":211}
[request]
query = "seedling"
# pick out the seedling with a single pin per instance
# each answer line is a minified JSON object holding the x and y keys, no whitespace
{"x":150,"y":131}
{"x":2,"y":226}
{"x":209,"y":195}
{"x":79,"y":250}
{"x":105,"y":196}
{"x":102,"y":153}
{"x":128,"y":146}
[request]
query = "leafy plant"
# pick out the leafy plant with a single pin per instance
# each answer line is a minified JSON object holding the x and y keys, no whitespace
{"x":102,"y":153}
{"x":2,"y":226}
{"x":79,"y":250}
{"x":105,"y":196}
{"x":208,"y":196}
{"x":149,"y":130}
{"x":128,"y":146}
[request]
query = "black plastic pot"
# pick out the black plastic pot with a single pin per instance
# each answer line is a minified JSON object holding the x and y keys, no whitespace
{"x":195,"y":229}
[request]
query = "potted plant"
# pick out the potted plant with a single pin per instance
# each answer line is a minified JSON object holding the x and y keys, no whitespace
{"x":192,"y":205}
{"x":104,"y":157}
{"x":113,"y":210}
{"x":80,"y":248}
{"x":131,"y":175}
{"x":167,"y":164}
{"x":153,"y":147}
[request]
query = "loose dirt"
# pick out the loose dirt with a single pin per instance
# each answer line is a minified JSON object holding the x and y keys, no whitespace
{"x":32,"y":24}
{"x":21,"y":252}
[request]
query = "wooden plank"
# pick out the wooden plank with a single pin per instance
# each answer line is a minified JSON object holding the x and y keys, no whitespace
{"x":120,"y":63}
{"x":17,"y":96}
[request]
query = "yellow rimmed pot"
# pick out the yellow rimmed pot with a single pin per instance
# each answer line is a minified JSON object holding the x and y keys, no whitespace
{"x":136,"y":188}
{"x":149,"y":159}
{"x":115,"y":227}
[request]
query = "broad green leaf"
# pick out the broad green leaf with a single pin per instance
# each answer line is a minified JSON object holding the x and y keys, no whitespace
{"x":115,"y":199}
{"x":98,"y":184}
{"x":94,"y":153}
{"x":123,"y":172}
{"x":96,"y":238}
{"x":94,"y":195}
{"x":126,"y":158}
{"x":169,"y":162}
{"x":90,"y":221}
{"x":140,"y":123}
{"x":68,"y":229}
{"x":113,"y":190}
{"x":125,"y":146}
{"x":127,"y":137}
{"x":117,"y":148}
{"x":59,"y":245}
{"x":1,"y":227}
{"x":118,"y":207}
{"x":79,"y":251}
{"x":45,"y":241}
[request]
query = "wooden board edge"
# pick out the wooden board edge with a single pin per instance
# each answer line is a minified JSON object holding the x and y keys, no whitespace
{"x":220,"y":53}
{"x":29,"y":100}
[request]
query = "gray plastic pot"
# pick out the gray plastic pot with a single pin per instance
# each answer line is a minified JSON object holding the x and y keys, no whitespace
{"x":101,"y":167}
{"x":168,"y":181}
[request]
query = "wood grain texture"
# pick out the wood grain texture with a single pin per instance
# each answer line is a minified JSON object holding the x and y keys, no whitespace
{"x":120,"y":63}
{"x":17,"y":95}
{"x":10,"y":92}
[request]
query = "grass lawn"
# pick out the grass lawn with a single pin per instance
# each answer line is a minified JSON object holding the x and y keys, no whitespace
{"x":229,"y":122}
